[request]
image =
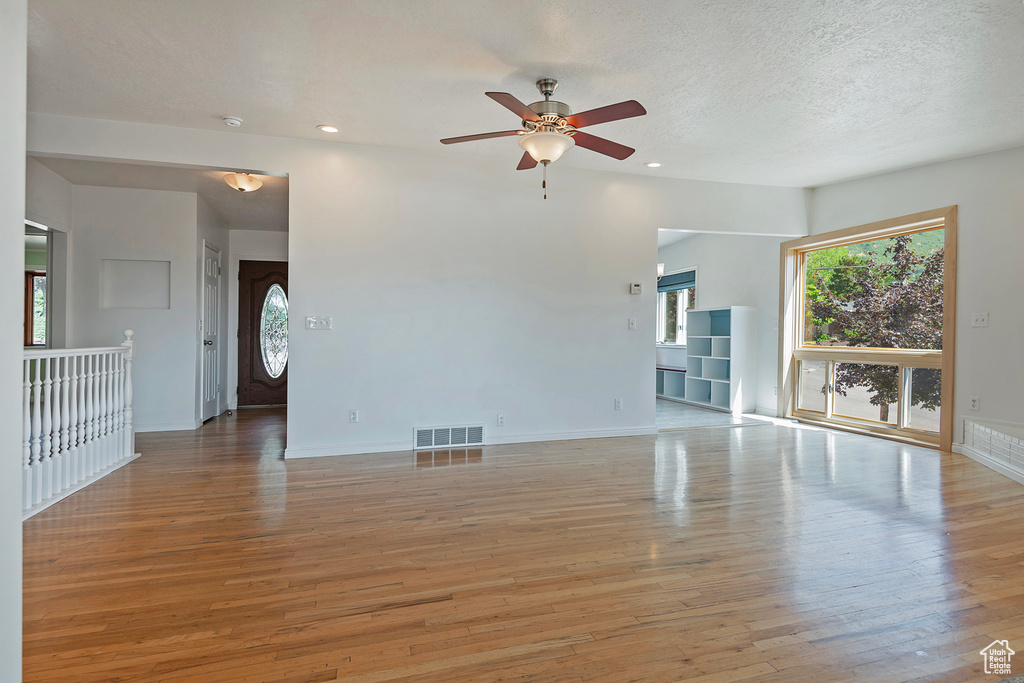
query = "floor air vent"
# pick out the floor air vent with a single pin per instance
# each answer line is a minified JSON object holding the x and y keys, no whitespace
{"x":463,"y":435}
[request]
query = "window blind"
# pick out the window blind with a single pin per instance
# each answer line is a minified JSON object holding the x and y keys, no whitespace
{"x":675,"y":281}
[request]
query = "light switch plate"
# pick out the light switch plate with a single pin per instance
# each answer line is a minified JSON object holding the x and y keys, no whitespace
{"x":319,"y":322}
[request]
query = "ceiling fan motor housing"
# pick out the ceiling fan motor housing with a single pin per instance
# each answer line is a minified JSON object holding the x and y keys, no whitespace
{"x":544,"y":107}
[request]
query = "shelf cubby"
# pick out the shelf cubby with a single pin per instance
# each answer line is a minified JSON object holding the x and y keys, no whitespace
{"x":698,"y":390}
{"x":698,"y":346}
{"x":720,"y":323}
{"x":715,"y":368}
{"x":720,"y":347}
{"x":720,"y":395}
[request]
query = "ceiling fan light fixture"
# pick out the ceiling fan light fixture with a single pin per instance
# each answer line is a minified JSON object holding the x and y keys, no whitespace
{"x":243,"y":182}
{"x":546,"y":146}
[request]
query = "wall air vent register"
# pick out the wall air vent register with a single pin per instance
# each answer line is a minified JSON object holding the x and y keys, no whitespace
{"x":434,"y":437}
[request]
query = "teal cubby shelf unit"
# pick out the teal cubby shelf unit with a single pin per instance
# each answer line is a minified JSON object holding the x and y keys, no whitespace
{"x":720,"y":358}
{"x":671,"y":384}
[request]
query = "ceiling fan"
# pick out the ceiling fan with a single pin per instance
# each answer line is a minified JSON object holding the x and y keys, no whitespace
{"x":550,"y":127}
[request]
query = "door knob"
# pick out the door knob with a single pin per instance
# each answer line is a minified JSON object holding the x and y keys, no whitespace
{"x":207,"y":342}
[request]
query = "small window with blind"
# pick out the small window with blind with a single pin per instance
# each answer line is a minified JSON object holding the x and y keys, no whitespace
{"x":676,"y":295}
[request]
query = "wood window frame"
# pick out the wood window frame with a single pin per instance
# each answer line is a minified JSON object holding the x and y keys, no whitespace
{"x":29,"y":326}
{"x":791,"y":290}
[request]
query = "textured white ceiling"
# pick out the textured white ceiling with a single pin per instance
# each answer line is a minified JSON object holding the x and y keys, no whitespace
{"x":779,"y":92}
{"x":264,"y":209}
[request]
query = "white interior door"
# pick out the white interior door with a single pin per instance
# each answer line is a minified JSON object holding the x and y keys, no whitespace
{"x":210,"y":351}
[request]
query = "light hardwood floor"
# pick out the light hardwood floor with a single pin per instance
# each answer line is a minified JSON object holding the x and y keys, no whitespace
{"x":758,"y":553}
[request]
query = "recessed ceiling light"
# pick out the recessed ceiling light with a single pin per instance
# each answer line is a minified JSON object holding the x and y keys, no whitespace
{"x":653,"y":164}
{"x":327,"y":129}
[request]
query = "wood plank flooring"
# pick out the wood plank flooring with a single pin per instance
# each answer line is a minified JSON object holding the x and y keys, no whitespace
{"x":723,"y":554}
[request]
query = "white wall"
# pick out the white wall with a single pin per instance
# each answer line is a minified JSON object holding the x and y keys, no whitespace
{"x":115,"y":223}
{"x":211,"y":228}
{"x":456,"y":291}
{"x":13,"y":35}
{"x":47,"y":197}
{"x":987,"y":189}
{"x":48,"y":201}
{"x":246,"y":245}
{"x":738,"y":270}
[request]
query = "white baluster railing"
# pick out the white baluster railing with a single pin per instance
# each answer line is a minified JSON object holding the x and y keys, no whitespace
{"x":78,"y":419}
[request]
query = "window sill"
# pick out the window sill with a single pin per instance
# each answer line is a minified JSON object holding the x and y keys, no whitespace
{"x":670,"y":346}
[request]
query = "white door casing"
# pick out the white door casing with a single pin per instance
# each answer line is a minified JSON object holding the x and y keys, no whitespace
{"x":210,"y":333}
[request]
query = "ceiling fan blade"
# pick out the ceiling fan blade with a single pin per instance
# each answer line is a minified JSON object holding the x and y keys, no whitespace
{"x":602,"y":146}
{"x":613,"y":112}
{"x":479,"y":136}
{"x":526,"y":163}
{"x":513,"y":105}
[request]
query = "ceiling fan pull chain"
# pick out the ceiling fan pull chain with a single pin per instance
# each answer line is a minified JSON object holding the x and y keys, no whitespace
{"x":544,"y":183}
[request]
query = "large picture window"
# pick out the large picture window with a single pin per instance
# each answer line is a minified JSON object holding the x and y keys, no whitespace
{"x":867,"y":339}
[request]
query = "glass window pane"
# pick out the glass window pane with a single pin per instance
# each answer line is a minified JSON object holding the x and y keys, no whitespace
{"x":925,"y":389}
{"x":669,"y":310}
{"x":39,"y":309}
{"x":811,"y":388}
{"x":866,"y":391}
{"x":881,"y":294}
{"x":274,"y":331}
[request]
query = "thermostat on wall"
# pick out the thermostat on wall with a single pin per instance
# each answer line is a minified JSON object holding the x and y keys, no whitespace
{"x":636,"y":288}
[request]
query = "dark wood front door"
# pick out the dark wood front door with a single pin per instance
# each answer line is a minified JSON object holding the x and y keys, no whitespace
{"x":262,"y":377}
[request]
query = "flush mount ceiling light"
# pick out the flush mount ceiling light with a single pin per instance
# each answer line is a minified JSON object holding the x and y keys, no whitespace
{"x":232,"y":121}
{"x":550,"y":127}
{"x":327,"y":128}
{"x":243,"y":182}
{"x":653,"y":164}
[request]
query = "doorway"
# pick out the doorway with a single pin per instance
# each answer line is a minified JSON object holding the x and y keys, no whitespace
{"x":262,"y":333}
{"x":210,"y":332}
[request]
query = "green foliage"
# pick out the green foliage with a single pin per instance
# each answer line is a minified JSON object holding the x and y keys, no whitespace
{"x":860,"y":296}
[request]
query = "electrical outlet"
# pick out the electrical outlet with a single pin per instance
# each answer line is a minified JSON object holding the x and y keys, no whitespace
{"x":979,"y":319}
{"x":501,"y":419}
{"x":775,"y":391}
{"x":353,"y":416}
{"x":618,"y":404}
{"x":975,"y":403}
{"x":631,"y":324}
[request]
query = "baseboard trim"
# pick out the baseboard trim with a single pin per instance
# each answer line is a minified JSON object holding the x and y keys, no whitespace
{"x":766,"y":411}
{"x":489,"y":440}
{"x":568,"y":436}
{"x":36,"y":509}
{"x":167,"y":426}
{"x":988,"y":462}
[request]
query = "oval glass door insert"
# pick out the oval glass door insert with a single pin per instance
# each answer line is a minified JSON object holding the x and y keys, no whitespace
{"x":274,"y":331}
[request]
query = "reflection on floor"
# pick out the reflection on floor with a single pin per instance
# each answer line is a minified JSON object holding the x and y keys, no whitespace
{"x":673,"y":415}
